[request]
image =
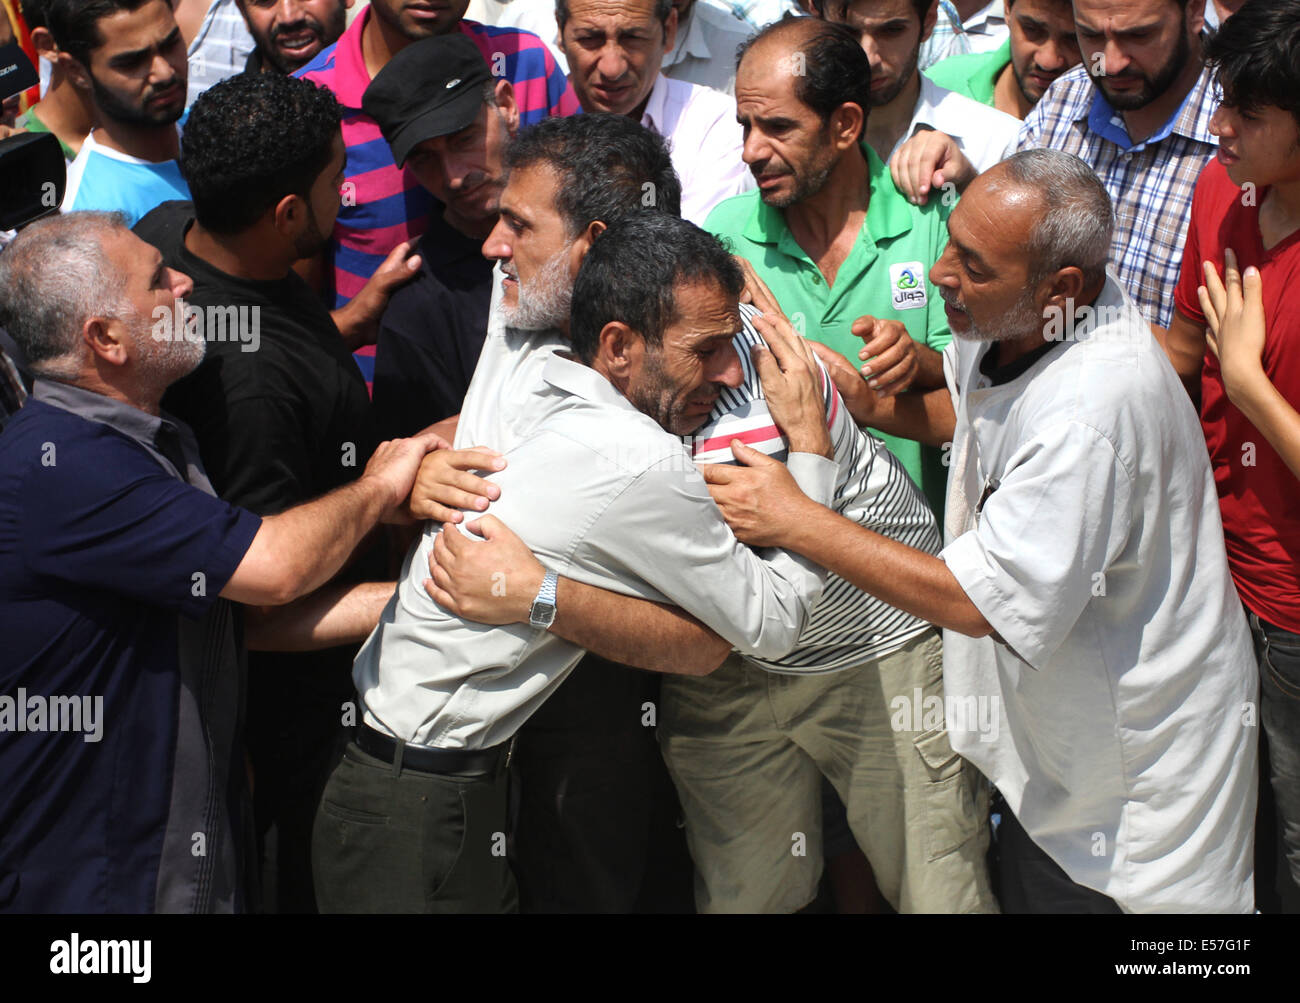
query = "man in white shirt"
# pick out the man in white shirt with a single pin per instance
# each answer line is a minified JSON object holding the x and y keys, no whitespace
{"x":601,"y":491}
{"x":615,"y":53}
{"x":904,"y":100}
{"x":704,"y":52}
{"x":1083,"y":588}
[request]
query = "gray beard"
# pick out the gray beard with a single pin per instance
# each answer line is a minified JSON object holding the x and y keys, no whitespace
{"x":544,"y":303}
{"x":1016,"y":323}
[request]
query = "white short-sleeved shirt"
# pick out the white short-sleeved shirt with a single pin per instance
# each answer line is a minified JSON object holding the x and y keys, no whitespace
{"x":984,"y":134}
{"x":1083,"y":522}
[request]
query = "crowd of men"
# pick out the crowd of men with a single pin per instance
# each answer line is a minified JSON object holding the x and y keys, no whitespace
{"x":654,"y":455}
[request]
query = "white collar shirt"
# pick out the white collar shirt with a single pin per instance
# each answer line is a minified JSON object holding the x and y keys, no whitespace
{"x":1116,"y":699}
{"x":987,"y":28}
{"x":705,"y":50}
{"x":984,"y":134}
{"x":704,"y":140}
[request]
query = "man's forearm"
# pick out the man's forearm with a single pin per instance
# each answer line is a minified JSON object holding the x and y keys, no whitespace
{"x":906,"y":578}
{"x":926,"y":417}
{"x":297,"y":551}
{"x":929,"y":370}
{"x":636,"y":632}
{"x":330,"y":616}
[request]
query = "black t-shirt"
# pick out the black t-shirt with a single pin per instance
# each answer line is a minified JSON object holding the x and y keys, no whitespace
{"x":281,"y":411}
{"x":277,"y":426}
{"x":431,"y":334}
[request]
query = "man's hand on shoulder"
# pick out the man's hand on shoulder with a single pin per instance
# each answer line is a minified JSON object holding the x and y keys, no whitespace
{"x":930,"y":160}
{"x":358,"y":320}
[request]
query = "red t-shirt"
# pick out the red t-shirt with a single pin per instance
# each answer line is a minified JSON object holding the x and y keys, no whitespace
{"x":1260,"y":503}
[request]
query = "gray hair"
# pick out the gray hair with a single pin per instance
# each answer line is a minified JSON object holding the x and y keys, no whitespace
{"x":1076,"y":227}
{"x":54,"y":276}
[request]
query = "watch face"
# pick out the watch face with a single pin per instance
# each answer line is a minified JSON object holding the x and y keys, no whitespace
{"x":542,"y":614}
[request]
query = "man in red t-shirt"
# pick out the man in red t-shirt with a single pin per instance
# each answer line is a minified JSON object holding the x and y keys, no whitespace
{"x":1248,"y":200}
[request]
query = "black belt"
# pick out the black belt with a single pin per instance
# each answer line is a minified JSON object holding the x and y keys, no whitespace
{"x":416,"y":757}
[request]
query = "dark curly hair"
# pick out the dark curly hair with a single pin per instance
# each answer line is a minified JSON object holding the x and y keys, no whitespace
{"x":251,"y":140}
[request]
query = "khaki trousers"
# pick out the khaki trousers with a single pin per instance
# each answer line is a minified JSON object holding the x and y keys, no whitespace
{"x":746,"y":749}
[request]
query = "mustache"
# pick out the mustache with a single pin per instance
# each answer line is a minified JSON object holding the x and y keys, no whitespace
{"x":306,"y":24}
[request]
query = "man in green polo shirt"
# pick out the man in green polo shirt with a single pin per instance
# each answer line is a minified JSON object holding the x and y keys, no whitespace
{"x":846,"y":256}
{"x":1042,"y":45}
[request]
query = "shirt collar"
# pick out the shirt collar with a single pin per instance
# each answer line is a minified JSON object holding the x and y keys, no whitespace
{"x":159,"y":435}
{"x":655,"y":115}
{"x":991,"y":17}
{"x":888,"y":213}
{"x":1191,"y":120}
{"x":580,"y":380}
{"x":351,"y":78}
{"x":691,"y":42}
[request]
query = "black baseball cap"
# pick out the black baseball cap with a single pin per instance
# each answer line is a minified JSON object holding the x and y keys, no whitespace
{"x":433,"y":87}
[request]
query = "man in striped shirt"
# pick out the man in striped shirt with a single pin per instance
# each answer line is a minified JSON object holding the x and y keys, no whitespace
{"x":383,"y":206}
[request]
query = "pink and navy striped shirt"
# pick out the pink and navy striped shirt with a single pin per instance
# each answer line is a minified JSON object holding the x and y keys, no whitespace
{"x":383,"y":205}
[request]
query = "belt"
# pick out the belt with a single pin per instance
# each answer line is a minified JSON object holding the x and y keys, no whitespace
{"x":471,"y":762}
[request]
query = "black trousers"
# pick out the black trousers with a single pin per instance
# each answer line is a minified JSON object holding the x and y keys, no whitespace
{"x":1029,"y":881}
{"x":392,"y":840}
{"x":595,"y":812}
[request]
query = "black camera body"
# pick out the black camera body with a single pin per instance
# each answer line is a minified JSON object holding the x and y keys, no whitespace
{"x":33,"y":175}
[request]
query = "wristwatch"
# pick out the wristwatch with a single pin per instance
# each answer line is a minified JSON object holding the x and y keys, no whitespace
{"x":542,"y":613}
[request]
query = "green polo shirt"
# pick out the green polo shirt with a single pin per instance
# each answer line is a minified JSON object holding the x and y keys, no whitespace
{"x":885,"y":275}
{"x":973,"y":74}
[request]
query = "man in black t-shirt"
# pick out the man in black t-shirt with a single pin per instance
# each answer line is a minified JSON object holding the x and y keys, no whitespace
{"x":278,"y":406}
{"x":448,"y":120}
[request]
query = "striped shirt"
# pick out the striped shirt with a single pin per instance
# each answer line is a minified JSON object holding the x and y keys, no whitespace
{"x":1150,"y":182}
{"x":383,"y":205}
{"x":219,"y":49}
{"x":847,"y":626}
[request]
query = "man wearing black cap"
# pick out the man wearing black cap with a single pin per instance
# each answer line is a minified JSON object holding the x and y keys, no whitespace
{"x":447,"y":119}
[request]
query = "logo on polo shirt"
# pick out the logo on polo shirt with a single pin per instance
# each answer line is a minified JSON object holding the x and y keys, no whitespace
{"x":907,"y":285}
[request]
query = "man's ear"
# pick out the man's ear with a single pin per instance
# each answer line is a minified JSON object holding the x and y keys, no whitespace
{"x":670,"y":30}
{"x":290,"y":216}
{"x":929,"y":21}
{"x":1066,"y":284}
{"x":578,"y":250}
{"x":76,"y":72}
{"x":507,"y":105}
{"x":106,"y":339}
{"x":1195,"y":14}
{"x":619,"y":351}
{"x":848,"y":125}
{"x":43,"y":43}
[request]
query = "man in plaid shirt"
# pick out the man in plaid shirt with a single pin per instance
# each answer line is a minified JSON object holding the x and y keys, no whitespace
{"x":1137,"y":110}
{"x":1144,"y":127}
